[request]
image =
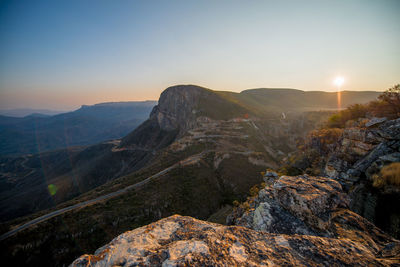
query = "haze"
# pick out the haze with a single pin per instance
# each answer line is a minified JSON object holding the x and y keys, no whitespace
{"x":62,"y":54}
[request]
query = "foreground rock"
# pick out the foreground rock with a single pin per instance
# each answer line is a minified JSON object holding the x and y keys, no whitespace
{"x":294,"y":221}
{"x":184,"y":241}
{"x":305,"y":205}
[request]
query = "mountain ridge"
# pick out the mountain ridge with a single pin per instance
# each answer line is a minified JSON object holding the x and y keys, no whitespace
{"x":84,"y":126}
{"x":208,"y":146}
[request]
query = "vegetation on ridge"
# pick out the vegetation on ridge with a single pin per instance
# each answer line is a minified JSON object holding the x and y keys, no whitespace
{"x":389,"y":175}
{"x":387,"y":105}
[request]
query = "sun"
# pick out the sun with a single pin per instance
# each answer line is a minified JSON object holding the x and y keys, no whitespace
{"x":338,"y":81}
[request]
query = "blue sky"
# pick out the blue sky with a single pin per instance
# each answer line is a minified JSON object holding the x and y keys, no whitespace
{"x":62,"y":54}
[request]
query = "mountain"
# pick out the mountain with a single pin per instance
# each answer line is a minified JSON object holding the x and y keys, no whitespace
{"x":23,"y":112}
{"x":88,"y":125}
{"x":290,"y":99}
{"x":199,"y":151}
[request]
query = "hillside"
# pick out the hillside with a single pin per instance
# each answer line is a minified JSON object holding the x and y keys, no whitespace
{"x":88,"y":125}
{"x":198,"y":152}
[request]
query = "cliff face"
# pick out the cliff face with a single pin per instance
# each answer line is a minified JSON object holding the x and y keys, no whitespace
{"x":177,"y":112}
{"x":354,"y":156}
{"x":294,"y":221}
{"x":362,"y":152}
{"x":174,"y":114}
{"x":177,"y":107}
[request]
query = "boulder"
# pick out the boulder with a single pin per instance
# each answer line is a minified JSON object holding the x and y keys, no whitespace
{"x":306,"y":205}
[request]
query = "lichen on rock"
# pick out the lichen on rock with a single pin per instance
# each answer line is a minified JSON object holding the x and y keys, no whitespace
{"x":282,"y":228}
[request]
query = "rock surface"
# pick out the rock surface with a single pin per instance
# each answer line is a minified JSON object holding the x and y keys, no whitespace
{"x":355,"y":157}
{"x":363,"y":149}
{"x":294,"y":221}
{"x":184,"y":241}
{"x":362,"y":152}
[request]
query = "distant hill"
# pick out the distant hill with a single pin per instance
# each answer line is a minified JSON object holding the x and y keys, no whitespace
{"x":267,"y":100}
{"x":88,"y":125}
{"x":23,"y":112}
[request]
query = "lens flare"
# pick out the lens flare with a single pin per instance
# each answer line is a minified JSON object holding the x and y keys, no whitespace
{"x":339,"y":81}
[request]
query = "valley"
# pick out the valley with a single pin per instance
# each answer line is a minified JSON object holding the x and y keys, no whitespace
{"x":198,"y":153}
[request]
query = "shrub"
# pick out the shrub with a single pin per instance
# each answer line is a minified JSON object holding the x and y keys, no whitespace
{"x":353,"y":112}
{"x":387,"y":105}
{"x":255,"y":189}
{"x":391,"y":100}
{"x":389,"y":175}
{"x":323,"y":139}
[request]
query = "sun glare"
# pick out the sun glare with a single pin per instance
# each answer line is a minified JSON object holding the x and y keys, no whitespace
{"x":338,"y":81}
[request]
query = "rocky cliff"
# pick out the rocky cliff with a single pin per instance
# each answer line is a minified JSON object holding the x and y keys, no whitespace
{"x":294,"y":221}
{"x":177,"y":112}
{"x":365,"y":147}
{"x":354,"y":156}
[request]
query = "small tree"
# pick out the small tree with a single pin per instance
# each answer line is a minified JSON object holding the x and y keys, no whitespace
{"x":389,"y":105}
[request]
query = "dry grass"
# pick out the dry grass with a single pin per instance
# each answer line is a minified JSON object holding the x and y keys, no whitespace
{"x":389,"y":175}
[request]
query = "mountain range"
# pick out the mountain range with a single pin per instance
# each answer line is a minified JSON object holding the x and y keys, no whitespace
{"x":23,"y":112}
{"x":38,"y":132}
{"x":198,"y":151}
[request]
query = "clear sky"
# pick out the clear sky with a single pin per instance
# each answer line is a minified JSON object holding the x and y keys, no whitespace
{"x":62,"y":54}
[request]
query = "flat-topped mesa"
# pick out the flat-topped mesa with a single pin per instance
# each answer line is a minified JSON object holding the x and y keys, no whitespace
{"x":178,"y":110}
{"x":174,"y":115}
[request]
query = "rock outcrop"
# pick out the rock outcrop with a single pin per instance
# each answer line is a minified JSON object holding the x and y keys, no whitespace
{"x":364,"y":149}
{"x":306,"y":205}
{"x":184,"y":241}
{"x":354,"y":156}
{"x":294,"y":221}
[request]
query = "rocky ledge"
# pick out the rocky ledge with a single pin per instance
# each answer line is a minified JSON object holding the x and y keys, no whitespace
{"x":294,"y":221}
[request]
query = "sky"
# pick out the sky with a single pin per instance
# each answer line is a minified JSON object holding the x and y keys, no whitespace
{"x":62,"y":54}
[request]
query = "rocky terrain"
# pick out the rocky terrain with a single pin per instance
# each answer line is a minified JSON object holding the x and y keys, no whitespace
{"x":365,"y":146}
{"x":355,"y":158}
{"x":361,"y":154}
{"x":294,"y":221}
